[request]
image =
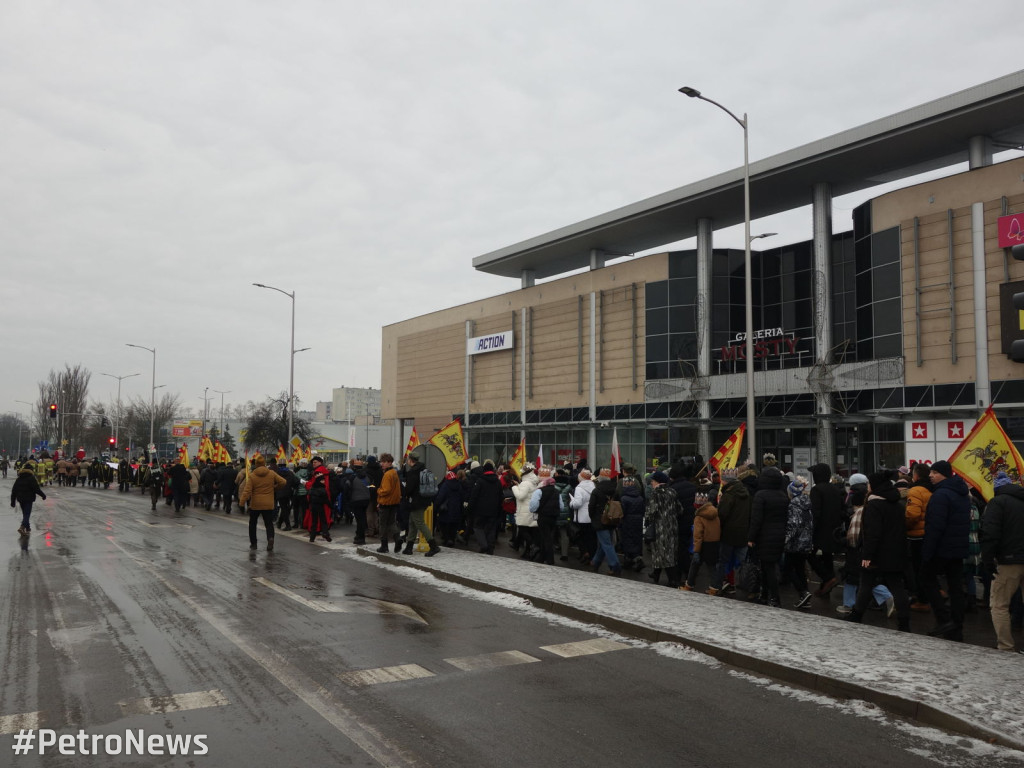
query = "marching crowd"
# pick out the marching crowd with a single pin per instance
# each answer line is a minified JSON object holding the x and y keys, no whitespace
{"x":916,"y":539}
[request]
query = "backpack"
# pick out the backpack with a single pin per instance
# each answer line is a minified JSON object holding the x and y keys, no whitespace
{"x":428,"y":484}
{"x":355,"y":488}
{"x":800,"y":526}
{"x":612,"y":514}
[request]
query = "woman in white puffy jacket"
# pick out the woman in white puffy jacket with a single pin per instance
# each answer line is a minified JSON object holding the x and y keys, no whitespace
{"x":580,"y":504}
{"x":526,"y":521}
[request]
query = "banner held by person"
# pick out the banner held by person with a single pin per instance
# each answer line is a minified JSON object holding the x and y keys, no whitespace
{"x":728,"y":455}
{"x":615,"y":466}
{"x":986,"y":451}
{"x":518,"y":459}
{"x":451,"y":443}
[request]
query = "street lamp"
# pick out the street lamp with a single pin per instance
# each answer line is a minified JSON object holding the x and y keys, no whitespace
{"x":152,"y":392}
{"x":291,"y":358}
{"x":748,"y":289}
{"x":117,"y":426}
{"x":222,"y":393}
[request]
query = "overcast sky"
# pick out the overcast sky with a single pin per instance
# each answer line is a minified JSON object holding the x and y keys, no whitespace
{"x":158,"y":158}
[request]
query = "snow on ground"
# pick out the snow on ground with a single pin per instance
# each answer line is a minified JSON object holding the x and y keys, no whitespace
{"x":980,"y":686}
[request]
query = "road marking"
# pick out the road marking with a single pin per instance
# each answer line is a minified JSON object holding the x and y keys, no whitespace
{"x":585,"y":647}
{"x":346,"y":604}
{"x":363,"y":677}
{"x":14,"y":723}
{"x":178,"y":702}
{"x":491,"y":660}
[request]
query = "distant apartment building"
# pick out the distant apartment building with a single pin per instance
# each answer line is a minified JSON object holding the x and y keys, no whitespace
{"x":354,"y":404}
{"x":325,"y":411}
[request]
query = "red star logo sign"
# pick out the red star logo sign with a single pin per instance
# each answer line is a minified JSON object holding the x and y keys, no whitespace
{"x":919,"y":429}
{"x":956,"y":430}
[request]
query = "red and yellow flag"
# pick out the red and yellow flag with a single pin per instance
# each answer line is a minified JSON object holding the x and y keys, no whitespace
{"x":728,"y":455}
{"x":183,"y":454}
{"x":281,"y":457}
{"x":205,"y":451}
{"x":984,"y":452}
{"x":518,"y":458}
{"x":451,"y":443}
{"x":414,"y":441}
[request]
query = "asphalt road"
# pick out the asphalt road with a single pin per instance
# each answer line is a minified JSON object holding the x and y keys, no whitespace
{"x":117,"y":619}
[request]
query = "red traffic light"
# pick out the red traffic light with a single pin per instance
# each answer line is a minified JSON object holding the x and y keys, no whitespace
{"x":112,"y":441}
{"x":53,"y":410}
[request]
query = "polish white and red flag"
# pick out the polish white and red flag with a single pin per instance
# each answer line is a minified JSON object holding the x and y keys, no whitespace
{"x":615,"y":467}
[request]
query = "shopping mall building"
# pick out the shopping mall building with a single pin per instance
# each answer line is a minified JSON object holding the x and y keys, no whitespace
{"x":875,"y":346}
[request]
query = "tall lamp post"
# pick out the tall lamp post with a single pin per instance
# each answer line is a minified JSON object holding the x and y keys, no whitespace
{"x":222,"y":393}
{"x":748,"y":289}
{"x":152,"y":391}
{"x":291,"y":359}
{"x":117,"y":426}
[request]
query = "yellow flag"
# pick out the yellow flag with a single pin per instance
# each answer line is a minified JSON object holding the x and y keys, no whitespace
{"x":984,"y":452}
{"x":205,"y":452}
{"x":183,"y":454}
{"x":414,"y":440}
{"x":728,"y":455}
{"x":518,"y":458}
{"x":281,"y":457}
{"x":451,"y":442}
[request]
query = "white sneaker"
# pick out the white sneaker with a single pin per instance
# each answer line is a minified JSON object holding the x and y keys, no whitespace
{"x":804,"y":601}
{"x":844,"y":610}
{"x":890,"y":608}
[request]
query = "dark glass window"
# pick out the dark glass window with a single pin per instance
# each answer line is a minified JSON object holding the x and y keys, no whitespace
{"x":888,"y":346}
{"x":657,"y":348}
{"x":656,"y":294}
{"x":887,"y":317}
{"x":682,"y":291}
{"x":657,"y":371}
{"x":863,"y":288}
{"x":681,"y":318}
{"x":682,"y":264}
{"x":657,"y":321}
{"x":862,"y":220}
{"x":864,"y":324}
{"x":885,"y":282}
{"x":885,"y":247}
{"x":918,"y":397}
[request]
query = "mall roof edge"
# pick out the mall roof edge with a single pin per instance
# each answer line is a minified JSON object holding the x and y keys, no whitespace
{"x":930,"y":136}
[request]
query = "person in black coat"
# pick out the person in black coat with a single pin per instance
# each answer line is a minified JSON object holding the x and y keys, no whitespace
{"x":631,"y":532}
{"x":827,"y":502}
{"x":485,"y":508}
{"x":283,"y":495}
{"x":947,"y":527}
{"x":226,"y":485}
{"x":767,"y":536}
{"x":682,"y":483}
{"x":24,"y":492}
{"x":883,"y":548}
{"x":448,"y":508}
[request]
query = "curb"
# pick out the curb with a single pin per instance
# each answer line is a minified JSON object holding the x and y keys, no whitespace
{"x":901,"y":706}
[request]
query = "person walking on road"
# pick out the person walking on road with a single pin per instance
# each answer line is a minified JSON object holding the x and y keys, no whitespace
{"x":258,"y":492}
{"x":1002,"y":551}
{"x":24,"y":492}
{"x":947,"y":527}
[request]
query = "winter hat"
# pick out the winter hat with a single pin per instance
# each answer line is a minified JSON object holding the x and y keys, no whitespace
{"x":943,"y":468}
{"x":858,"y":479}
{"x":728,"y":475}
{"x":659,"y":477}
{"x":1001,"y":479}
{"x":528,"y":467}
{"x":904,"y":470}
{"x":797,"y":486}
{"x":449,"y":475}
{"x":474,"y":465}
{"x":768,"y":460}
{"x":586,"y":474}
{"x":879,"y":481}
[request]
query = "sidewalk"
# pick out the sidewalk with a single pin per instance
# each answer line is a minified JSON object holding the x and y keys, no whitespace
{"x":953,"y":686}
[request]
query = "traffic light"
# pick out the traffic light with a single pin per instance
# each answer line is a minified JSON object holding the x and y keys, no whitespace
{"x":53,"y":410}
{"x":113,"y":442}
{"x":1017,"y":348}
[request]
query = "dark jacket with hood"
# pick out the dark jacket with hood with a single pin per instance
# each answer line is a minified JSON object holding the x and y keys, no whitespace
{"x":1002,"y":528}
{"x":947,"y":521}
{"x":26,"y":487}
{"x":485,"y":498}
{"x":768,"y":516}
{"x":631,"y":532}
{"x":734,"y":513}
{"x":827,"y":501}
{"x":411,"y":489}
{"x":884,"y":531}
{"x":604,"y":491}
{"x":448,"y":503}
{"x":686,"y":495}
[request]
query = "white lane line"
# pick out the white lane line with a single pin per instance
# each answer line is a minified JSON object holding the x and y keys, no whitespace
{"x":14,"y":723}
{"x":322,"y":607}
{"x":362,"y":677}
{"x":178,"y":702}
{"x":585,"y":647}
{"x":311,"y":692}
{"x":491,"y":660}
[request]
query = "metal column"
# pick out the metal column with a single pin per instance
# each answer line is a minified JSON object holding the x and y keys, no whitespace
{"x":825,"y":443}
{"x":705,"y":251}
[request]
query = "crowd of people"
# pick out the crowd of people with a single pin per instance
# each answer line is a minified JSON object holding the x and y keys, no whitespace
{"x":916,"y":539}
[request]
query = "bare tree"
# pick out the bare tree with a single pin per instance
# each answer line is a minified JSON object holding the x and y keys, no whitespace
{"x":14,"y":434}
{"x":137,"y":413}
{"x":69,"y":390}
{"x":268,"y":426}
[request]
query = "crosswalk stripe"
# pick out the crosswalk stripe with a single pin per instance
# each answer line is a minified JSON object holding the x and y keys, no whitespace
{"x":178,"y":702}
{"x":491,"y":660}
{"x":361,"y":677}
{"x":14,"y":723}
{"x":585,"y":647}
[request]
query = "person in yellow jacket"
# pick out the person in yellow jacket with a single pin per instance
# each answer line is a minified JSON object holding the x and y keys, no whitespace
{"x":918,"y":494}
{"x":258,"y":492}
{"x":389,"y":496}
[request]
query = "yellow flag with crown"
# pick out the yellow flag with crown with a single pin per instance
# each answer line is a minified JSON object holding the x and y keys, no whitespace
{"x":518,"y":458}
{"x":728,"y":455}
{"x":451,"y":442}
{"x":986,"y":451}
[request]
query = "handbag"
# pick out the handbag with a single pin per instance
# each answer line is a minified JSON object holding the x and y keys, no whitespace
{"x":612,"y":514}
{"x":749,"y":577}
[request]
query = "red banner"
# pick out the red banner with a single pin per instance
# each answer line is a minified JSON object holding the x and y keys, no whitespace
{"x":1011,"y":230}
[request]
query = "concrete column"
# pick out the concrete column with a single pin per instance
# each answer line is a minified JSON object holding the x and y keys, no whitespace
{"x":822,"y":213}
{"x":529,"y":277}
{"x":982,"y":383}
{"x":596,"y":258}
{"x":469,"y":384}
{"x":705,"y":252}
{"x":979,"y":152}
{"x":592,"y":439}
